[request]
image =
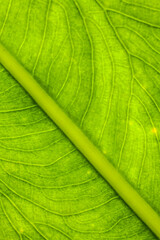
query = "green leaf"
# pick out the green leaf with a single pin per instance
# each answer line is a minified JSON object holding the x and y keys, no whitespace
{"x":100,"y":62}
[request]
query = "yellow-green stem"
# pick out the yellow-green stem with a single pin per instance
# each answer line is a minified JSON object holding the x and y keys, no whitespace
{"x":79,"y":139}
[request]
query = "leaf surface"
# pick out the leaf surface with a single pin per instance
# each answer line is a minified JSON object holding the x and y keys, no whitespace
{"x":100,"y":61}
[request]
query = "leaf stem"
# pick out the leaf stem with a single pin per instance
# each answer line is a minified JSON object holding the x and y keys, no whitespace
{"x":79,"y":139}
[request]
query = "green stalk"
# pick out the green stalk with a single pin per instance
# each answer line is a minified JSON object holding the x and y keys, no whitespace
{"x":78,"y":138}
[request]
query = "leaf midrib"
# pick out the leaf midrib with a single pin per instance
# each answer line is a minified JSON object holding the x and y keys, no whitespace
{"x":78,"y":138}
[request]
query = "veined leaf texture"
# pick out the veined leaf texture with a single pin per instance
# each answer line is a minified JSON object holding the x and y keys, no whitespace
{"x":99,"y":60}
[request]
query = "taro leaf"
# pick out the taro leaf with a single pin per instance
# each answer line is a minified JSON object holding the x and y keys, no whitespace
{"x":100,"y":61}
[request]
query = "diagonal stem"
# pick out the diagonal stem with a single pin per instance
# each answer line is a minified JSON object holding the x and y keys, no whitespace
{"x":79,"y":139}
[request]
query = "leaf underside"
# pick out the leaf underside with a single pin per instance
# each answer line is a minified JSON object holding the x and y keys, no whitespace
{"x":100,"y":61}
